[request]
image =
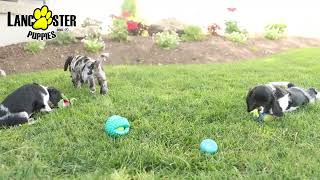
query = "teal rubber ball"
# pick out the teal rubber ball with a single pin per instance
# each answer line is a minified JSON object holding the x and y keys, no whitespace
{"x":116,"y":126}
{"x":208,"y":146}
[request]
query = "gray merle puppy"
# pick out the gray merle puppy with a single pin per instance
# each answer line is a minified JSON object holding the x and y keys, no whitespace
{"x":85,"y":70}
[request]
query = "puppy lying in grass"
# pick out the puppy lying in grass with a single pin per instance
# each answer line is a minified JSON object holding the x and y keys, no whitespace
{"x":276,"y":98}
{"x":85,"y":70}
{"x":19,"y":106}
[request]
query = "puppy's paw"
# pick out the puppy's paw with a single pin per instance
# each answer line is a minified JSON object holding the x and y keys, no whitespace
{"x":103,"y":90}
{"x":31,"y":121}
{"x":46,"y":109}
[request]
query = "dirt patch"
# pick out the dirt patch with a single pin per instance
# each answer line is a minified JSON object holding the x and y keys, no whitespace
{"x":142,"y":50}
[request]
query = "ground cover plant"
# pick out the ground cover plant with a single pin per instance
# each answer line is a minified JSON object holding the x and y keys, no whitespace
{"x":192,"y":33}
{"x":232,"y":26}
{"x":63,"y":38}
{"x":234,"y":33}
{"x":118,"y":30}
{"x":275,"y":31}
{"x":171,"y":108}
{"x":237,"y":37}
{"x":93,"y":45}
{"x":34,"y":46}
{"x":167,"y":39}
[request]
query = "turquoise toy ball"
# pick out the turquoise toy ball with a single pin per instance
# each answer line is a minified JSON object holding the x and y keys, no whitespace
{"x":116,"y":126}
{"x":208,"y":146}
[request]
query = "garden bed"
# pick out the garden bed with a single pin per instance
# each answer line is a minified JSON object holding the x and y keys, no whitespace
{"x":142,"y":50}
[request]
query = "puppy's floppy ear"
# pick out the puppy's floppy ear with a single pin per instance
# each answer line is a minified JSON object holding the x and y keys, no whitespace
{"x":249,"y":100}
{"x":276,"y":109}
{"x":68,"y":63}
{"x":105,"y":56}
{"x":97,"y":64}
{"x":54,"y":95}
{"x":290,"y":85}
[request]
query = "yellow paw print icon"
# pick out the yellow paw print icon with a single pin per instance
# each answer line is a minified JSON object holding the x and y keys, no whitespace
{"x":43,"y":18}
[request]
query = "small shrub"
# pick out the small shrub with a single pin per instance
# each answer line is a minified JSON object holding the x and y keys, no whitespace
{"x":90,"y":22}
{"x":213,"y":29}
{"x":93,"y":45}
{"x":129,"y":8}
{"x":237,"y":37}
{"x":232,"y":26}
{"x":192,"y":33}
{"x":91,"y":28}
{"x":118,"y":31}
{"x":93,"y":32}
{"x":275,"y":31}
{"x":167,"y":39}
{"x":34,"y":46}
{"x":64,"y":38}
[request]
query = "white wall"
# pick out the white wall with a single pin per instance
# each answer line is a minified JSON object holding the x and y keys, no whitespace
{"x":302,"y":17}
{"x":10,"y":35}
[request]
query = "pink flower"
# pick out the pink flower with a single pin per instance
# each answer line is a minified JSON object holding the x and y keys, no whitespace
{"x":231,"y":9}
{"x":125,"y":14}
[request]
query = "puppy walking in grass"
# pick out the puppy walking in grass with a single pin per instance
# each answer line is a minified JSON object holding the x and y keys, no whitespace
{"x":85,"y":70}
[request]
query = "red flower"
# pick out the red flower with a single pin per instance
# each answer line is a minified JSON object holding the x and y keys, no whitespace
{"x":213,"y":28}
{"x":232,"y":9}
{"x":131,"y":25}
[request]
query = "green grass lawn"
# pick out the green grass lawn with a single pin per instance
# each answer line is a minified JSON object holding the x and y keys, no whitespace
{"x":171,"y":109}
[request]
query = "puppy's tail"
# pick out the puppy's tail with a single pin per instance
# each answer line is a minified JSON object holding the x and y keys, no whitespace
{"x":67,"y":63}
{"x":13,"y":119}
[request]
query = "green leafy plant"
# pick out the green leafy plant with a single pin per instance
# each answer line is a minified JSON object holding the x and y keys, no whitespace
{"x":167,"y":39}
{"x":64,"y":38}
{"x":90,"y":22}
{"x":93,"y":45}
{"x":275,"y":31}
{"x":118,"y":30}
{"x":232,"y":26}
{"x":237,"y":37}
{"x":34,"y":46}
{"x":92,"y":28}
{"x":129,"y":8}
{"x":192,"y":33}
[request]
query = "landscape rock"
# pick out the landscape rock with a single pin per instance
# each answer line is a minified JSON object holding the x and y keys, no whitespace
{"x":2,"y":73}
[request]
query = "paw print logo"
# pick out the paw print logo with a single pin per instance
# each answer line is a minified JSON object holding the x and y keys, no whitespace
{"x":43,"y":18}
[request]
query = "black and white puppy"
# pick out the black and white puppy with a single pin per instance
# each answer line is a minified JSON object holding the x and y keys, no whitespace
{"x":85,"y":70}
{"x":19,"y":106}
{"x":279,"y":97}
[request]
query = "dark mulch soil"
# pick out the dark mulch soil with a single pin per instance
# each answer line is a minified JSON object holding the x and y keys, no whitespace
{"x":142,"y":50}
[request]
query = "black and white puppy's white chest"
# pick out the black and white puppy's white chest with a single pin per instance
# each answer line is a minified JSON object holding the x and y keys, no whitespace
{"x":19,"y":106}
